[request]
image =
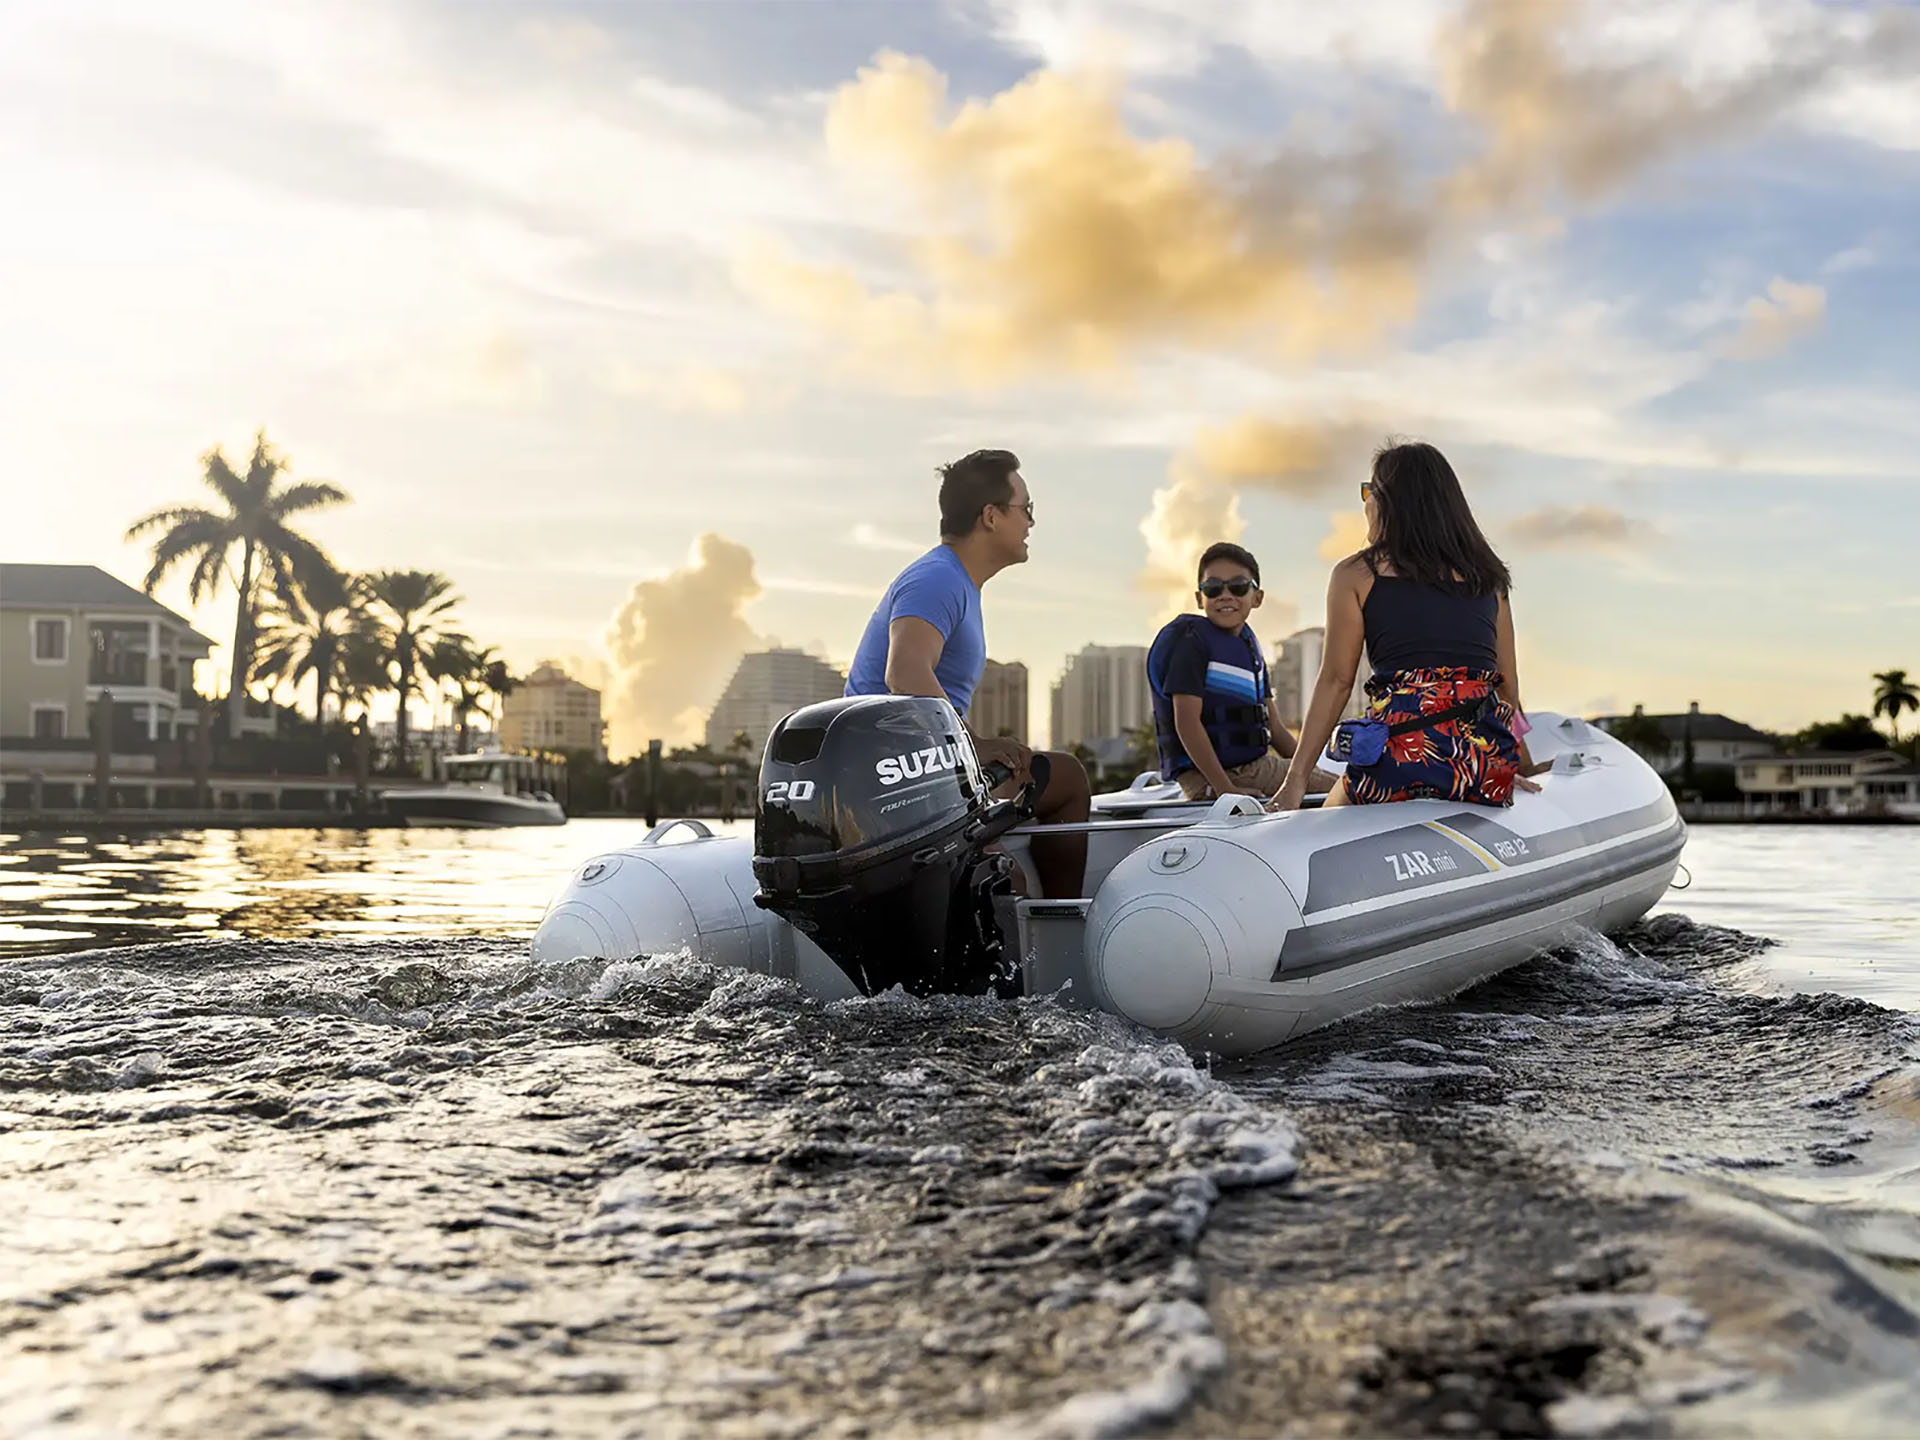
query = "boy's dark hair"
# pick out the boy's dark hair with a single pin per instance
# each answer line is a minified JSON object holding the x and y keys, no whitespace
{"x":972,"y":483}
{"x":1227,"y":550}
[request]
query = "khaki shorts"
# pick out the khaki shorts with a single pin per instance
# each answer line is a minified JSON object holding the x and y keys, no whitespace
{"x":1257,"y":777}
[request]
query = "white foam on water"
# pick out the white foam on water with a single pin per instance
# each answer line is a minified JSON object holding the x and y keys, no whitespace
{"x":1189,"y":1355}
{"x":1664,"y":1319}
{"x":1597,"y":1415}
{"x":1341,"y":1075}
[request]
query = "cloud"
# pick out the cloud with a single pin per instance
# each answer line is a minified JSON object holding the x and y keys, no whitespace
{"x":484,"y":369}
{"x":1579,"y":527}
{"x":1046,"y":235}
{"x":1188,"y":514}
{"x":1199,"y":504}
{"x":1349,"y":533}
{"x":675,"y":642}
{"x":697,"y":389}
{"x":1778,"y":318}
{"x":1576,"y":99}
{"x":1301,"y":460}
{"x":869,"y":536}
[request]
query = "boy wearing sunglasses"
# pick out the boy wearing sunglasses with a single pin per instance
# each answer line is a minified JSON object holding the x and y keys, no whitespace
{"x":1214,"y":716}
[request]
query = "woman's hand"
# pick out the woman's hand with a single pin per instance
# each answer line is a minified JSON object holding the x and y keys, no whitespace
{"x":1289,"y":795}
{"x":1530,"y":766}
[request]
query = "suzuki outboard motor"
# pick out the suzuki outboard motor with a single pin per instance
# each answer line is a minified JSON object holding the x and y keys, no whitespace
{"x":869,"y":835}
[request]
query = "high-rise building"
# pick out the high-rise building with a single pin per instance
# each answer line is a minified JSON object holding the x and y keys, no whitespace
{"x":767,"y":686}
{"x":549,"y":710}
{"x":999,"y":705}
{"x":1101,"y":695}
{"x":1295,"y":668}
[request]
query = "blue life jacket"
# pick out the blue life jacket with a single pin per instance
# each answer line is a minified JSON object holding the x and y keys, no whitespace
{"x":1233,"y":707}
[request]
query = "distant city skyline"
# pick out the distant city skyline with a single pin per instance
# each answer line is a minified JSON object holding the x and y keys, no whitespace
{"x":647,"y":325}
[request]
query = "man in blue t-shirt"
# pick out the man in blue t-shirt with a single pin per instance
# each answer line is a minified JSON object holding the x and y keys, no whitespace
{"x":927,"y":638}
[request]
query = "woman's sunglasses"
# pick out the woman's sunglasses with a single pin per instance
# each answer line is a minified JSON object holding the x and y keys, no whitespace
{"x":1366,"y":491}
{"x":1213,"y":587}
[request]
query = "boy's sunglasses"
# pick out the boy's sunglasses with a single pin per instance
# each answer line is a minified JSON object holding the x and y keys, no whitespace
{"x":1212,"y":587}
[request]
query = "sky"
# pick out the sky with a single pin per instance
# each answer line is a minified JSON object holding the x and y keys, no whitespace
{"x":648,"y":323}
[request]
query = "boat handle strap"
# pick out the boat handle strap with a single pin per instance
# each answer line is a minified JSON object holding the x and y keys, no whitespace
{"x":667,"y":827}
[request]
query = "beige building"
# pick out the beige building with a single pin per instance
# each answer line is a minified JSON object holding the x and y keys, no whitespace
{"x":999,"y":704}
{"x":1836,"y":782}
{"x":1101,"y":695}
{"x":766,"y":687}
{"x":68,"y":633}
{"x":549,"y":710}
{"x":1295,"y":668}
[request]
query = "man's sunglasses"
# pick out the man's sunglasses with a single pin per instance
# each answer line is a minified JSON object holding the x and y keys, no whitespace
{"x":1026,"y":505}
{"x":1213,"y":587}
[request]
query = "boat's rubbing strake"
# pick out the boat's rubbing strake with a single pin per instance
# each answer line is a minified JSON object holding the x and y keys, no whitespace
{"x":1351,"y":884}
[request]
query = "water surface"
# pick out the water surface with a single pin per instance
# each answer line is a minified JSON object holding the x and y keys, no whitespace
{"x":296,"y":1139}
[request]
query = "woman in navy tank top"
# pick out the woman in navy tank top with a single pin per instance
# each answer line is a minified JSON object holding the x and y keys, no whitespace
{"x":1428,"y":599}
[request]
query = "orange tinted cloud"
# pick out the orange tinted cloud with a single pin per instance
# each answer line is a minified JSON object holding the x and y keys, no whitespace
{"x":1578,"y":527}
{"x":1563,"y":118}
{"x":1051,"y":236}
{"x":1187,"y":515}
{"x":1349,"y":533}
{"x":675,"y":642}
{"x":1776,"y":319}
{"x":1199,"y":504}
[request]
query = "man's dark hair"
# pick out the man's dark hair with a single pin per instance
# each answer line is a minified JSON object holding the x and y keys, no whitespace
{"x":972,"y":483}
{"x":1227,"y":550}
{"x":1427,"y":529}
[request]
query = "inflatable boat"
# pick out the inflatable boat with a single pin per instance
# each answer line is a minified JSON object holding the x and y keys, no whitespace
{"x":880,"y":858}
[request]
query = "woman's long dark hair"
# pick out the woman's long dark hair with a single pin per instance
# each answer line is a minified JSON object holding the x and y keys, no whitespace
{"x":1427,"y":531}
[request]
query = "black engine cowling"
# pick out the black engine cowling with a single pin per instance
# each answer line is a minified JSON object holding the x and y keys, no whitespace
{"x":868,"y":835}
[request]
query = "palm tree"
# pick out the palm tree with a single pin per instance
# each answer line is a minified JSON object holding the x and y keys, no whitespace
{"x":255,"y":519}
{"x":456,"y":663}
{"x":1893,"y":693}
{"x":307,"y":632}
{"x":362,"y":668}
{"x":414,"y":610}
{"x":500,"y":683}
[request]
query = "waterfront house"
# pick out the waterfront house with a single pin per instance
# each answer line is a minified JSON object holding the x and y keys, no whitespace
{"x":1832,"y":782}
{"x":1718,"y":740}
{"x":68,"y":633}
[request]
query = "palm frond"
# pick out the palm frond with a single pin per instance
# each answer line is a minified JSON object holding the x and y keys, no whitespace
{"x":206,"y":575}
{"x":406,"y":593}
{"x":324,"y":590}
{"x":263,"y":466}
{"x":197,"y":533}
{"x":283,"y":653}
{"x":305,"y":561}
{"x":229,"y":486}
{"x":305,"y":495}
{"x":172,"y":515}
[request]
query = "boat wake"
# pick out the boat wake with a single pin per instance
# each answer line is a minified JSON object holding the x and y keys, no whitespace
{"x":420,"y":1187}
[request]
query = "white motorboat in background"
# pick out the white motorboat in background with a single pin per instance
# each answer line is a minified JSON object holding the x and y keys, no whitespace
{"x":481,"y":791}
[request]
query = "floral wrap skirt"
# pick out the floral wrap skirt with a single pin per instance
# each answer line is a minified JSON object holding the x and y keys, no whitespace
{"x":1472,"y":760}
